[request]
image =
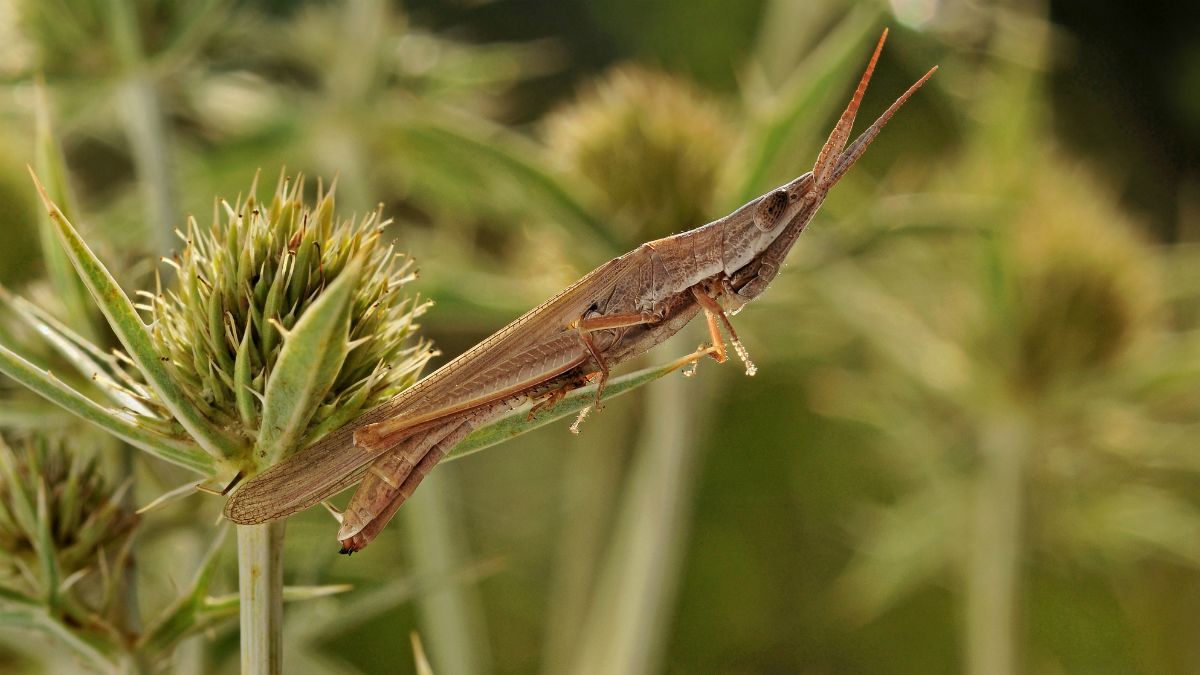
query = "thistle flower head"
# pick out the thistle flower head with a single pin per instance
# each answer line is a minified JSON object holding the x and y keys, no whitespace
{"x":1086,"y":283}
{"x":54,"y":505}
{"x":651,"y":145}
{"x":243,"y":285}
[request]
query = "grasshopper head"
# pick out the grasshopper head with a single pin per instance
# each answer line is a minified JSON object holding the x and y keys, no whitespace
{"x":779,"y":216}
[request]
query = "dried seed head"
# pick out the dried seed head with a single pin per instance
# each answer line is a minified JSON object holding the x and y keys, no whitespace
{"x":82,"y":519}
{"x":652,"y":146}
{"x":242,"y":284}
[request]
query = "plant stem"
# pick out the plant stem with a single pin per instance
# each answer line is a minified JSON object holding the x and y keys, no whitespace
{"x":145,"y":124}
{"x":147,"y":133}
{"x":260,"y":585}
{"x":995,"y":553}
{"x":453,"y":626}
{"x":626,"y":627}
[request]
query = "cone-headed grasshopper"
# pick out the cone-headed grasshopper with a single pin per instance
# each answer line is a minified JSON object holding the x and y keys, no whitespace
{"x":620,"y":309}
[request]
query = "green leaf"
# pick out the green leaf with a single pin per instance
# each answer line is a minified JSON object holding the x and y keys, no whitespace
{"x":228,"y":605}
{"x":49,"y":162}
{"x":38,"y":619}
{"x":46,"y":550}
{"x":243,"y":388}
{"x":19,"y":504}
{"x":72,"y":347}
{"x":799,"y":103}
{"x":508,"y":155}
{"x":42,"y":382}
{"x":138,"y":343}
{"x":308,"y":365}
{"x":517,"y":422}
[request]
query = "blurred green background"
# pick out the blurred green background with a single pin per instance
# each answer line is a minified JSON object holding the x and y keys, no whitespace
{"x":971,"y":445}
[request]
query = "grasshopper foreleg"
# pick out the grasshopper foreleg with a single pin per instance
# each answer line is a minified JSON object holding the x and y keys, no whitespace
{"x":713,"y":312}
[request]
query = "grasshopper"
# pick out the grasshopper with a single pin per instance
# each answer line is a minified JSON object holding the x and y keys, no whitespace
{"x":619,"y":310}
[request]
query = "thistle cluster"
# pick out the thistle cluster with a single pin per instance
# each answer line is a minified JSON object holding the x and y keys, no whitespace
{"x":282,"y":323}
{"x":244,"y":283}
{"x":653,"y":147}
{"x":61,"y":524}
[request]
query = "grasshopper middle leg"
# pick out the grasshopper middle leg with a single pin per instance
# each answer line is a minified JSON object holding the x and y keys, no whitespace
{"x":590,"y":324}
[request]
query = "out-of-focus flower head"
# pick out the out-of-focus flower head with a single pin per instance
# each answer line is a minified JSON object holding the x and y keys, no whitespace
{"x":650,"y":145}
{"x":56,"y":506}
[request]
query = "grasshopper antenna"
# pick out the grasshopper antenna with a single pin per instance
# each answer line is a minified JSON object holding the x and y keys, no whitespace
{"x":841,"y":131}
{"x":836,"y":158}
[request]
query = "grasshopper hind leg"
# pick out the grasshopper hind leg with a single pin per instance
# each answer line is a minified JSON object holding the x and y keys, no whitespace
{"x":392,"y":479}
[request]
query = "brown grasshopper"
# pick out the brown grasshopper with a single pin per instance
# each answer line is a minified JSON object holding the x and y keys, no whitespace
{"x":617,"y":311}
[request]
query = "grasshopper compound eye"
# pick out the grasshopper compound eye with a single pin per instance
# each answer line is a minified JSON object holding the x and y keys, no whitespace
{"x":769,"y":210}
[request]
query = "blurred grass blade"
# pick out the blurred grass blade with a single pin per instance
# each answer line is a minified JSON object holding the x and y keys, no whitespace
{"x":308,"y":365}
{"x":38,"y":619}
{"x":517,"y":422}
{"x":802,"y":102}
{"x":451,"y":617}
{"x":46,"y":550}
{"x":422,"y":663}
{"x":43,"y":383}
{"x":129,"y":328}
{"x":626,"y":627}
{"x":901,"y":335}
{"x":20,"y":507}
{"x":142,"y":117}
{"x":48,"y":159}
{"x":361,"y":608}
{"x":9,"y":596}
{"x":515,"y":163}
{"x":183,"y":616}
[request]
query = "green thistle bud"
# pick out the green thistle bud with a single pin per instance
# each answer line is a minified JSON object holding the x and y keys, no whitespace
{"x":651,"y":145}
{"x":1086,"y":282}
{"x":58,"y":517}
{"x":233,"y":325}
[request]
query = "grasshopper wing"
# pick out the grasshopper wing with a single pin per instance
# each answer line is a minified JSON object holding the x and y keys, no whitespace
{"x":336,"y":462}
{"x":318,"y":472}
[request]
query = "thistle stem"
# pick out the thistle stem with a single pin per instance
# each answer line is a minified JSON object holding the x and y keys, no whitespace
{"x":260,"y":585}
{"x":147,"y":134}
{"x":993,"y":578}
